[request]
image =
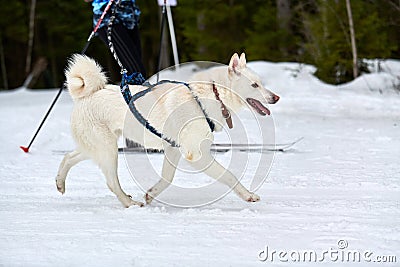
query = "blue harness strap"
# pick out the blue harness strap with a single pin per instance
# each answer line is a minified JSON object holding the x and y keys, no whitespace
{"x":137,"y":79}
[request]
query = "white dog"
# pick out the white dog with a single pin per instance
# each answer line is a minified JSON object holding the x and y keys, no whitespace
{"x":184,"y":115}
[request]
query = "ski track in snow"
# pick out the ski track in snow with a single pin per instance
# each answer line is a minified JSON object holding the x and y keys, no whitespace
{"x":342,"y":182}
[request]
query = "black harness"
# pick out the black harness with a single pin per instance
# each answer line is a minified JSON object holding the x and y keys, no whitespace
{"x":130,"y":100}
{"x":138,"y":79}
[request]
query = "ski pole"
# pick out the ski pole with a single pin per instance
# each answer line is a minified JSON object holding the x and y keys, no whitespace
{"x":161,"y":38}
{"x":26,"y":149}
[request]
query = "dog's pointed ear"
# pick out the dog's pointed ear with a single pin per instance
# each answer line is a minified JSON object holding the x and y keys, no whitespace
{"x":233,"y":67}
{"x":242,"y":61}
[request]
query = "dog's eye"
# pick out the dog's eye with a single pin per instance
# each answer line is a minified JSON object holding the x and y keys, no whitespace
{"x":254,"y":85}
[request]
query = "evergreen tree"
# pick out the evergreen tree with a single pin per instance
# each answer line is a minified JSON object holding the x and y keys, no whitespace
{"x":312,"y":31}
{"x":267,"y":39}
{"x":14,"y":37}
{"x":212,"y":29}
{"x":328,"y":43}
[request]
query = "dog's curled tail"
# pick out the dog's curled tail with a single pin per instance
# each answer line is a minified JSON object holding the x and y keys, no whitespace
{"x":84,"y":76}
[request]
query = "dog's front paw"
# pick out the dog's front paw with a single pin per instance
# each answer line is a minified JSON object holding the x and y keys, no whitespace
{"x":148,"y":198}
{"x":127,"y":201}
{"x":253,"y":197}
{"x":138,"y":203}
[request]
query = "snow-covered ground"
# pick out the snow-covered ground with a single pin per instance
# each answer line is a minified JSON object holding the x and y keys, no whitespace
{"x":337,"y":191}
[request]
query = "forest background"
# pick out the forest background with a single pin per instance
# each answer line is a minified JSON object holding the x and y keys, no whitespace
{"x":39,"y":36}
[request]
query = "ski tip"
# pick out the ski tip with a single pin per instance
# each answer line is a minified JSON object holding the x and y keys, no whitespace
{"x":25,"y":149}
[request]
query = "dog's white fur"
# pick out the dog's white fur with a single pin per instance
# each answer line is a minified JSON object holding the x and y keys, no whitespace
{"x":100,"y":116}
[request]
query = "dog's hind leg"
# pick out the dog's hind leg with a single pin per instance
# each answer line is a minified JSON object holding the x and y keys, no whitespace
{"x":171,"y":160}
{"x":66,"y":164}
{"x":207,"y":164}
{"x":108,"y":164}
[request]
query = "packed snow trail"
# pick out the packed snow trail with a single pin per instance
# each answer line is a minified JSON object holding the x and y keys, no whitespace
{"x":340,"y":184}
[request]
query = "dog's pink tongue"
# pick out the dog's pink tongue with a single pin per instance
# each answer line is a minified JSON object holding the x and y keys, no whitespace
{"x":261,"y":109}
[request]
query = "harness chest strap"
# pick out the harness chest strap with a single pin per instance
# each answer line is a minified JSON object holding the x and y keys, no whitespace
{"x":130,"y":100}
{"x":225,"y":112}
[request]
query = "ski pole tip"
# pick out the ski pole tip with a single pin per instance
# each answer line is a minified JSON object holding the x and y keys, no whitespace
{"x":25,"y":149}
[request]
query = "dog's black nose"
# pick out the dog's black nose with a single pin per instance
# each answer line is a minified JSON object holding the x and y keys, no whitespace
{"x":275,"y":98}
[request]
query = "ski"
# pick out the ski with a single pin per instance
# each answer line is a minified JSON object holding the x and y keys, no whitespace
{"x":218,"y":147}
{"x":281,"y":147}
{"x":225,"y":147}
{"x":244,"y":145}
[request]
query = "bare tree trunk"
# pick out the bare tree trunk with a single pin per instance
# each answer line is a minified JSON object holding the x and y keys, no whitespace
{"x":324,"y":13}
{"x":165,"y":56}
{"x":202,"y":50}
{"x":353,"y":39}
{"x":394,"y":5}
{"x":31,"y":35}
{"x":283,"y":17}
{"x":39,"y":67}
{"x":3,"y":63}
{"x":283,"y":13}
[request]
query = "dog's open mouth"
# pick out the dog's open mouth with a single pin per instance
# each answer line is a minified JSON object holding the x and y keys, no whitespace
{"x":260,"y":108}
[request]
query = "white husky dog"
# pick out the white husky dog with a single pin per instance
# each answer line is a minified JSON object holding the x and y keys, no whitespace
{"x":100,"y":116}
